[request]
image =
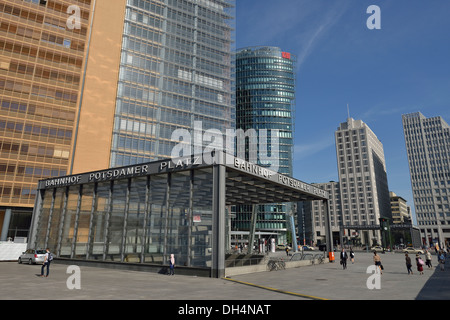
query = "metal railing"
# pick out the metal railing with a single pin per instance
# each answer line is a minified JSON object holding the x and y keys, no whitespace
{"x":243,"y":261}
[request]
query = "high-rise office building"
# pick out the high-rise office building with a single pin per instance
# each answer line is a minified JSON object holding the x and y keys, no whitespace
{"x":108,"y":91}
{"x":265,"y":97}
{"x":363,"y":179}
{"x":428,"y":148}
{"x":170,"y":66}
{"x":41,"y":70}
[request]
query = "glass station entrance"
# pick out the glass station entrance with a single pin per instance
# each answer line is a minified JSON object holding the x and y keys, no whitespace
{"x":141,"y":214}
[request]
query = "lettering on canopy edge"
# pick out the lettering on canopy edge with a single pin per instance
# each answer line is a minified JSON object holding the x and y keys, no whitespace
{"x":282,"y":179}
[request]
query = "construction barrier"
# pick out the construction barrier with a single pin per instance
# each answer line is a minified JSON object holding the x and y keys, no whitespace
{"x":331,"y":256}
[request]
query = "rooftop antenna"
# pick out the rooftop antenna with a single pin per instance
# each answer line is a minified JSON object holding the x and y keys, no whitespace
{"x":348,"y":111}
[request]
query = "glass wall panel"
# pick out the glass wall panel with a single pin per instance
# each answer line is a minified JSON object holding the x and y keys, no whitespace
{"x":43,"y":219}
{"x":201,"y":234}
{"x":135,"y":221}
{"x":177,"y":219}
{"x":69,"y":221}
{"x":84,"y":220}
{"x":155,"y":223}
{"x":20,"y":223}
{"x":56,"y":219}
{"x":116,"y":220}
{"x":98,"y":228}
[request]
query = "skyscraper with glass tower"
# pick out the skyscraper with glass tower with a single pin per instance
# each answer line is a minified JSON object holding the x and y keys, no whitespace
{"x":265,"y":97}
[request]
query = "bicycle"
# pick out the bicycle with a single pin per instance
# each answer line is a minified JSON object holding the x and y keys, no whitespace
{"x":321,"y":259}
{"x":275,"y":265}
{"x":271,"y":265}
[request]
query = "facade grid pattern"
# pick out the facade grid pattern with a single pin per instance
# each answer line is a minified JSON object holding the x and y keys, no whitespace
{"x":175,"y":70}
{"x":428,"y":150}
{"x":40,"y":72}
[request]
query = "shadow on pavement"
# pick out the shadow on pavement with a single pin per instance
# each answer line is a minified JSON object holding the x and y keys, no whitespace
{"x":438,"y":286}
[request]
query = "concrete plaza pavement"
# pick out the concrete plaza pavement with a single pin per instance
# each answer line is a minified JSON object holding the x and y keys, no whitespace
{"x":320,"y":281}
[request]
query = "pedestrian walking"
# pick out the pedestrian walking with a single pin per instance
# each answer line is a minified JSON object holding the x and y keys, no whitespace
{"x":172,"y":265}
{"x":47,"y":260}
{"x":352,"y":256}
{"x":377,"y":261}
{"x":287,"y":250}
{"x":428,"y":259}
{"x":408,"y":264}
{"x":442,"y":260}
{"x":344,"y":258}
{"x":419,"y":263}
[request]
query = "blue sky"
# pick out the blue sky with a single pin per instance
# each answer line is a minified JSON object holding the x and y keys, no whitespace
{"x":381,"y":74}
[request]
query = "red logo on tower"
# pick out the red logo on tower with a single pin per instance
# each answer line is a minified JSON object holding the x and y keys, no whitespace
{"x":286,"y":55}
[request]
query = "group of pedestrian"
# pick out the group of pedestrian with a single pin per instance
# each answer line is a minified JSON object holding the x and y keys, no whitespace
{"x":344,"y":257}
{"x":49,"y":257}
{"x":420,"y":263}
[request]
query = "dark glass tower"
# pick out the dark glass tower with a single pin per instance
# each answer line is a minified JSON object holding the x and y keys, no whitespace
{"x":265,"y":96}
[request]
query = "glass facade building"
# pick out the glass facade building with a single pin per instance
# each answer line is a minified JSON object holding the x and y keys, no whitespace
{"x":175,"y":69}
{"x":265,"y":99}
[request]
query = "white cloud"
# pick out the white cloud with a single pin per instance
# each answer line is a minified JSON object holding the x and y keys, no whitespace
{"x":302,"y":151}
{"x":303,"y":23}
{"x":315,"y":29}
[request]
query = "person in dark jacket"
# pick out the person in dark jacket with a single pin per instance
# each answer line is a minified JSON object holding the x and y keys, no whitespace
{"x":352,"y":255}
{"x":408,"y":264}
{"x":344,"y":258}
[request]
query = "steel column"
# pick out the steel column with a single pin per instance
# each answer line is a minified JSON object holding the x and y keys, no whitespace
{"x":251,"y":236}
{"x":90,"y":241}
{"x":61,"y":223}
{"x":145,"y":223}
{"x":219,"y":223}
{"x":50,"y":215}
{"x":75,"y":227}
{"x":107,"y":217}
{"x":166,"y":217}
{"x":190,"y":217}
{"x":125,"y":222}
{"x":328,"y":232}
